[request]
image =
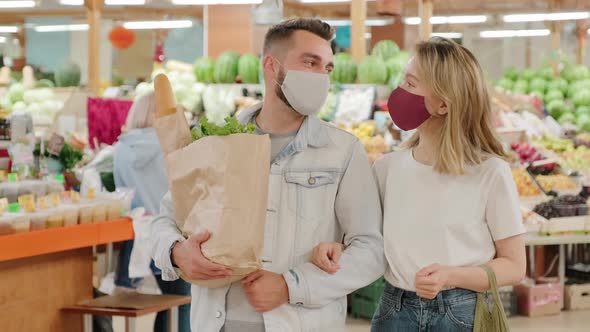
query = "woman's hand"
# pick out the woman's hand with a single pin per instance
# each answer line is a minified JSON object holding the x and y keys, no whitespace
{"x":326,"y":256}
{"x":431,"y":280}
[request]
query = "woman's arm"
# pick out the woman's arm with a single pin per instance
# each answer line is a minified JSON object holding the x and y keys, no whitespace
{"x":509,"y":266}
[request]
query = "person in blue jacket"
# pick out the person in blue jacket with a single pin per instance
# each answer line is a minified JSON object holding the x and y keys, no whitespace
{"x":139,"y":165}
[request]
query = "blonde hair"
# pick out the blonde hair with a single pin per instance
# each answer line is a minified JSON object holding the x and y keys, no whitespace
{"x":454,"y":75}
{"x":142,"y":113}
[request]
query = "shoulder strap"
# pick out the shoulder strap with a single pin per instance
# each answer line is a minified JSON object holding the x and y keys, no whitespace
{"x":494,"y":290}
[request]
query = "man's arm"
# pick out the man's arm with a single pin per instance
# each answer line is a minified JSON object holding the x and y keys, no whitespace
{"x":358,"y":210}
{"x":168,"y":244}
{"x":164,"y":235}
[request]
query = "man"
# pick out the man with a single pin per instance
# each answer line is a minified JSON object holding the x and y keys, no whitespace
{"x":321,"y":189}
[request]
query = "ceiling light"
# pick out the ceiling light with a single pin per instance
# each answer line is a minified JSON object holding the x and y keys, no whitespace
{"x":449,"y":35}
{"x":71,"y":2}
{"x":2,"y":40}
{"x":465,"y":19}
{"x":546,"y":17}
{"x":514,"y":33}
{"x":216,"y":2}
{"x":8,"y":29}
{"x":326,"y":1}
{"x":58,"y":28}
{"x":17,"y":4}
{"x":124,"y":2}
{"x":368,"y":22}
{"x":140,"y":25}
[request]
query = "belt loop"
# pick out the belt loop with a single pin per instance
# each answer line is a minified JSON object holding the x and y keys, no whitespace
{"x":441,"y":303}
{"x":398,"y":294}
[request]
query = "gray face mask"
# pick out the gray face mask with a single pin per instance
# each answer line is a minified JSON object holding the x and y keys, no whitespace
{"x":306,"y":92}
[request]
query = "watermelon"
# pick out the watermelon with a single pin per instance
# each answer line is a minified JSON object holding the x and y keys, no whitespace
{"x":372,"y":70}
{"x":395,"y":66}
{"x":567,"y":118}
{"x":581,"y":98}
{"x":204,"y":69}
{"x":553,"y":95}
{"x":248,"y":68}
{"x":344,"y":69}
{"x":44,"y":83}
{"x":403,"y":56}
{"x":556,"y":108}
{"x":520,"y":86}
{"x":545,"y":73}
{"x":583,"y":110}
{"x":583,"y":122}
{"x":385,"y":49}
{"x":581,"y":72}
{"x":538,"y":84}
{"x":16,"y":93}
{"x":505,"y":83}
{"x":511,"y":74}
{"x":226,"y":68}
{"x":528,"y":74}
{"x":68,"y":74}
{"x":557,"y":84}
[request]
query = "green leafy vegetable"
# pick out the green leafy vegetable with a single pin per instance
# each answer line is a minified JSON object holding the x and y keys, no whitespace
{"x":232,"y":126}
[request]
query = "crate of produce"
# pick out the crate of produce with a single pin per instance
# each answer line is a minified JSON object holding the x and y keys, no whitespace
{"x":535,"y":300}
{"x":577,"y":297}
{"x":373,"y":291}
{"x":363,"y":307}
{"x":509,"y":301}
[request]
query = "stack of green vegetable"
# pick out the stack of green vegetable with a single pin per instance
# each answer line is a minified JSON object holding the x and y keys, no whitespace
{"x":566,"y":95}
{"x":231,"y":126}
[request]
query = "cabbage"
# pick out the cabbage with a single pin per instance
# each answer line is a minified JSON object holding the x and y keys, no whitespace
{"x":19,"y":107}
{"x":143,"y":88}
{"x":186,"y":79}
{"x":16,"y":92}
{"x":219,"y":102}
{"x":156,"y":72}
{"x":6,"y":103}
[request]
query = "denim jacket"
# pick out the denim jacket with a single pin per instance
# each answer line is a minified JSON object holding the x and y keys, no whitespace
{"x":321,"y":189}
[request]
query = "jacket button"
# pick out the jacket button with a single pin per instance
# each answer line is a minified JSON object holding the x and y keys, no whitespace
{"x":218,"y":314}
{"x":311,"y":181}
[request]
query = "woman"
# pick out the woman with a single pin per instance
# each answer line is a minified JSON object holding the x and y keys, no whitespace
{"x":139,"y":164}
{"x":449,"y":200}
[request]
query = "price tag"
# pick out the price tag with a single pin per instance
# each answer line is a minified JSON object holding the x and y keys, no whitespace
{"x":55,"y":199}
{"x":56,"y":144}
{"x":3,"y":205}
{"x":29,"y":206}
{"x":75,"y":196}
{"x":43,"y":202}
{"x":91,"y":193}
{"x":12,"y":177}
{"x":26,"y":199}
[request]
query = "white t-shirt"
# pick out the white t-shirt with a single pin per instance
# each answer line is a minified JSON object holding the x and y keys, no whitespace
{"x":449,"y":220}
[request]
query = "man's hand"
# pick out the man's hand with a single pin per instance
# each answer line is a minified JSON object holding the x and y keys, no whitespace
{"x":431,"y":280}
{"x":188,"y":257}
{"x":326,"y":256}
{"x":266,"y":290}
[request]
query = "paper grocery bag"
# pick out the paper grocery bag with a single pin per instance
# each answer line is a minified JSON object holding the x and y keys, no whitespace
{"x":221,"y":184}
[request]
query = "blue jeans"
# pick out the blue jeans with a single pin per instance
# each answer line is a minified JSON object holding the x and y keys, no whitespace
{"x":177,"y":287}
{"x":402,"y":311}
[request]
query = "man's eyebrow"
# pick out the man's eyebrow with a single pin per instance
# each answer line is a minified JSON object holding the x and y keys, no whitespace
{"x":311,"y":55}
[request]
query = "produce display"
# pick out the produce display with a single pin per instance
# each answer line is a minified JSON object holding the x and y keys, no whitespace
{"x":67,"y":75}
{"x":527,"y":152}
{"x":563,"y":206}
{"x":372,"y":70}
{"x":556,"y":182}
{"x":566,"y":94}
{"x":204,"y":70}
{"x":345,"y":69}
{"x":248,"y":68}
{"x":524,"y":184}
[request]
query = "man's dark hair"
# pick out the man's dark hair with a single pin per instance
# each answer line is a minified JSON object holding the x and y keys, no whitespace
{"x":284,"y":30}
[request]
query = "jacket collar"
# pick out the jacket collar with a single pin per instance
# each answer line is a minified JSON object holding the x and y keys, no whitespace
{"x":312,"y":132}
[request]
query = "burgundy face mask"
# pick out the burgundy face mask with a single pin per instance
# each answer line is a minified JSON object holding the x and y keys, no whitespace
{"x":408,"y":111}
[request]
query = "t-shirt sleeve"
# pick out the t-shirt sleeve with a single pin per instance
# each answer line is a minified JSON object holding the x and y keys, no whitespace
{"x":503,"y":213}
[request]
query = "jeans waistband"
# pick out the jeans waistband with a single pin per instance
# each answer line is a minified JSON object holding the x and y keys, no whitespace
{"x":397,"y":296}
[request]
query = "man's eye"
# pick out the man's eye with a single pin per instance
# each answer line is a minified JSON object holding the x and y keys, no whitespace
{"x":308,"y":63}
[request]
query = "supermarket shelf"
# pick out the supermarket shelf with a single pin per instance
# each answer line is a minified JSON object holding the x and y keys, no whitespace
{"x":537,"y":240}
{"x":49,"y":241}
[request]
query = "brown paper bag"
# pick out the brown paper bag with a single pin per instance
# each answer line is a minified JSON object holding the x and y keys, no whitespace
{"x":219,"y":184}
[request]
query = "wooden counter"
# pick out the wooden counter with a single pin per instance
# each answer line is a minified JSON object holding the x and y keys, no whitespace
{"x":44,"y":271}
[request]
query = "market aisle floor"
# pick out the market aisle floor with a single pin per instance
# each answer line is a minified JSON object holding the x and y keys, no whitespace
{"x":577,"y":321}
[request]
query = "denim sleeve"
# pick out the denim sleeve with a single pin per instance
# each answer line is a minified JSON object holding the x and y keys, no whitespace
{"x":164,"y":234}
{"x":358,"y":210}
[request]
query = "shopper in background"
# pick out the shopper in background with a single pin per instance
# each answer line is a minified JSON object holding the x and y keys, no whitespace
{"x":320,"y":189}
{"x":449,"y":201}
{"x":139,"y":164}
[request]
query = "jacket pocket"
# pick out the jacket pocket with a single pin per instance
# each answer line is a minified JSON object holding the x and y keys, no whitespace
{"x":309,"y":199}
